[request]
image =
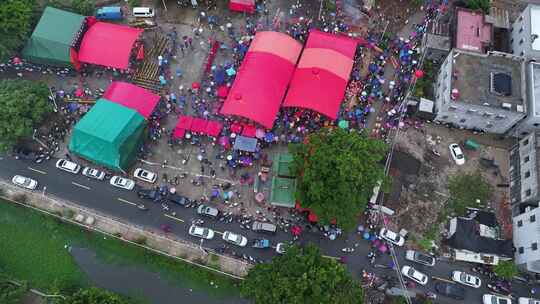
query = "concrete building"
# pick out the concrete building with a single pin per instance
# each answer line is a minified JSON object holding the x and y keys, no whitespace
{"x":473,"y":33}
{"x":436,"y":42}
{"x":481,"y":91}
{"x":525,"y":36}
{"x":524,"y":177}
{"x":526,"y":239}
{"x":531,"y":122}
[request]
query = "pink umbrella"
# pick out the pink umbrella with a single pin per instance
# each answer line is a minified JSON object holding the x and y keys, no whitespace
{"x":79,"y":92}
{"x":224,"y":141}
{"x":259,"y":197}
{"x":195,"y":85}
{"x":260,"y":133}
{"x":222,"y":91}
{"x":17,"y":60}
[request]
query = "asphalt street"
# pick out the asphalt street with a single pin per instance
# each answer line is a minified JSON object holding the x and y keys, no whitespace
{"x":101,"y":196}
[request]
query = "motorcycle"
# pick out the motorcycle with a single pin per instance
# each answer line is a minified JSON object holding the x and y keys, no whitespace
{"x":348,"y":249}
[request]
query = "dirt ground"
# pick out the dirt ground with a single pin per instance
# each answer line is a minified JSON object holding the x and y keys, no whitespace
{"x":420,"y":178}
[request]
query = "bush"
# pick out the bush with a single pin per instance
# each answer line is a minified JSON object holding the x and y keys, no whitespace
{"x":134,"y":3}
{"x":468,"y":190}
{"x":505,"y":269}
{"x":141,"y":240}
{"x":20,"y":198}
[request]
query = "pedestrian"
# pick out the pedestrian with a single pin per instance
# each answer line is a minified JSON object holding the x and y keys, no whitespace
{"x":182,"y":49}
{"x":190,"y":42}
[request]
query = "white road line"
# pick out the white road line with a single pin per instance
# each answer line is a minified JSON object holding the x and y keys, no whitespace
{"x":442,"y":279}
{"x":174,"y":218}
{"x":36,"y":170}
{"x":126,"y":201}
{"x":218,"y":232}
{"x":82,"y":186}
{"x":330,"y":257}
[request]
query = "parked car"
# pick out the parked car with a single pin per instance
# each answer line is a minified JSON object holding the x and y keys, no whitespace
{"x":24,"y":182}
{"x":493,"y":299}
{"x":93,"y":173}
{"x":151,"y":194}
{"x":420,"y":258}
{"x":264,"y":227}
{"x":523,"y":300}
{"x":207,"y":211}
{"x":450,"y":290}
{"x":466,"y":279}
{"x":457,"y":154}
{"x":392,"y":237}
{"x":143,"y":12}
{"x":235,"y":239}
{"x":201,"y":232}
{"x":178,"y":199}
{"x":281,"y":248}
{"x":145,"y":175}
{"x":69,"y":166}
{"x":121,"y":182}
{"x":414,"y":275}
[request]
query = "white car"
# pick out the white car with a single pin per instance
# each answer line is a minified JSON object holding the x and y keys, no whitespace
{"x":523,"y":300}
{"x":414,"y":275}
{"x":466,"y":279}
{"x":145,"y":175}
{"x":235,"y":239}
{"x":69,"y":166}
{"x":457,"y":154}
{"x":392,"y":237}
{"x":24,"y":182}
{"x":93,"y":173}
{"x":201,"y":232}
{"x":493,"y":299}
{"x":122,"y":182}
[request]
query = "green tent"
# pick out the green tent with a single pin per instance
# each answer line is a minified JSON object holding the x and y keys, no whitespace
{"x":108,"y":135}
{"x":282,"y":192}
{"x":282,"y":165}
{"x":52,"y":38}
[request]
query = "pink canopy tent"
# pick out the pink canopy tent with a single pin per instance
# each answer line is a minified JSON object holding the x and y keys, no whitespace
{"x":243,"y":6}
{"x":179,"y":133}
{"x":213,"y":128}
{"x":249,"y":131}
{"x":262,"y":79}
{"x":184,"y":122}
{"x":108,"y":44}
{"x":323,"y":71}
{"x":133,"y":97}
{"x":199,"y":125}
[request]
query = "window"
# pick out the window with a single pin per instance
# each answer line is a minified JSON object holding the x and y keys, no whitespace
{"x":536,"y":124}
{"x":534,"y":246}
{"x":527,"y":174}
{"x":526,"y":142}
{"x":512,"y":40}
{"x":520,"y":223}
{"x":521,"y":41}
{"x":444,"y":117}
{"x":526,"y":159}
{"x":521,"y":54}
{"x":462,"y":120}
{"x":521,"y":250}
{"x":521,"y":29}
{"x":528,"y":192}
{"x":532,"y":218}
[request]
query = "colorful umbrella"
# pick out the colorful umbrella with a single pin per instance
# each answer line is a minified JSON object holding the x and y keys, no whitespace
{"x":224,"y":141}
{"x":343,"y":124}
{"x":259,"y":197}
{"x":231,"y":71}
{"x":195,"y":85}
{"x":223,"y":91}
{"x":269,"y":137}
{"x":259,"y":133}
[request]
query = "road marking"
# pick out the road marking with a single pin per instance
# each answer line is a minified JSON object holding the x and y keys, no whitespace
{"x":441,"y":279}
{"x":330,"y":257}
{"x":82,"y":186}
{"x":36,"y":170}
{"x":174,"y":218}
{"x":126,"y":201}
{"x":218,"y":232}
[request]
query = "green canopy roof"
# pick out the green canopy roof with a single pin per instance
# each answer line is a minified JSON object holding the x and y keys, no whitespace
{"x":108,"y":135}
{"x":51,"y":40}
{"x":282,"y":193}
{"x":282,"y":165}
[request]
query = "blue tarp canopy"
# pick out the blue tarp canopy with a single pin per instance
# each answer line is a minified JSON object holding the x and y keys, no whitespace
{"x":247,"y":144}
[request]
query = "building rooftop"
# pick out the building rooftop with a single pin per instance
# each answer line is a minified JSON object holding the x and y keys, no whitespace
{"x":473,"y":32}
{"x":487,"y":80}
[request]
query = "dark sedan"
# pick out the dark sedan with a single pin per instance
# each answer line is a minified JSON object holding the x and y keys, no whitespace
{"x":450,"y":290}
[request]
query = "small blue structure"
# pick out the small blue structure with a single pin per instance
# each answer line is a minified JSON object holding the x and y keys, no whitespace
{"x":109,"y":13}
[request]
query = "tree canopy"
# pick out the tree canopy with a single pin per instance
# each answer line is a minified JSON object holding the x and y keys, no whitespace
{"x":300,"y":276}
{"x":483,"y":5}
{"x":22,"y":105}
{"x":505,"y":269}
{"x":468,"y":190}
{"x":10,"y":293}
{"x":337,"y":171}
{"x":95,"y":296}
{"x":15,"y":21}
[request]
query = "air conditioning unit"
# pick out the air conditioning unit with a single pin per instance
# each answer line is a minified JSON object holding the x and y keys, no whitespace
{"x":507,"y":106}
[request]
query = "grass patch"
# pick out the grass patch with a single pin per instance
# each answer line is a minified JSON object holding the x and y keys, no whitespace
{"x":34,"y":251}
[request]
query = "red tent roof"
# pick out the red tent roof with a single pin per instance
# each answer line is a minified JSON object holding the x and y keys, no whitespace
{"x":199,"y":125}
{"x":247,"y":6}
{"x":108,"y":44}
{"x":262,"y":78}
{"x":321,"y":77}
{"x":213,"y":128}
{"x":184,"y":122}
{"x":133,"y":97}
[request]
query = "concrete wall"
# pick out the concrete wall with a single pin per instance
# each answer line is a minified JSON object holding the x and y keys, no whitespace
{"x":521,"y":34}
{"x":525,"y":234}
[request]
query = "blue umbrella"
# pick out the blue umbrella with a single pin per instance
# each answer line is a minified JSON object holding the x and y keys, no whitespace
{"x":366,"y":235}
{"x":231,"y":71}
{"x":269,"y":137}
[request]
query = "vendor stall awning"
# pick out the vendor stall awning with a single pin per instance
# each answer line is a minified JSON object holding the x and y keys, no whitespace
{"x":243,"y":143}
{"x":323,"y":71}
{"x":52,"y":38}
{"x":108,"y":44}
{"x":262,"y":79}
{"x":243,"y":6}
{"x":133,"y":97}
{"x":282,"y":192}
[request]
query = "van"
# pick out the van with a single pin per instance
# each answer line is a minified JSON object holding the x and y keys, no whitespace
{"x":143,"y":12}
{"x":109,"y":13}
{"x":264,"y":227}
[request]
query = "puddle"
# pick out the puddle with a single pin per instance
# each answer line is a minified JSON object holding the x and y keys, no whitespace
{"x":131,"y":280}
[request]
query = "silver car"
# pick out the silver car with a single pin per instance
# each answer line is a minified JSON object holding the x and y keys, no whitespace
{"x":93,"y":173}
{"x":122,"y":182}
{"x":24,"y":182}
{"x":201,"y":232}
{"x":235,"y":239}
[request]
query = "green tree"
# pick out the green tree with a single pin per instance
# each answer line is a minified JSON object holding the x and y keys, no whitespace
{"x":468,"y":190}
{"x":83,"y":7}
{"x":337,"y":171}
{"x":483,"y":5}
{"x":505,"y":269}
{"x":10,"y":293}
{"x":300,"y":276}
{"x":95,"y":296}
{"x":15,"y":21}
{"x":23,"y":104}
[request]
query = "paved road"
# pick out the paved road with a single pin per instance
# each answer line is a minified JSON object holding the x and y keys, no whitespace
{"x":99,"y":195}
